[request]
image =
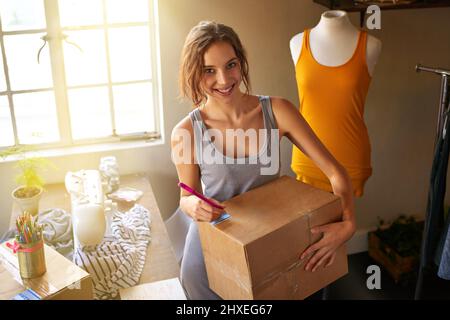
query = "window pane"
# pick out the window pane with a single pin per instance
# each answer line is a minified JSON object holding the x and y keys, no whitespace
{"x":36,"y":117}
{"x":130,"y":53}
{"x":2,"y":75}
{"x":89,"y":65}
{"x":133,"y":105}
{"x":127,"y":11}
{"x":80,"y":12}
{"x":22,"y":14}
{"x":89,"y":113}
{"x":6,"y":130}
{"x":24,"y":70}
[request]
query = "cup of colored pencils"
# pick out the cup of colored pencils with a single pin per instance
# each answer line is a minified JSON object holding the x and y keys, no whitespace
{"x":29,"y":245}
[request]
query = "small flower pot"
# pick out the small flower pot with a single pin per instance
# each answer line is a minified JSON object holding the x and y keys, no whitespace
{"x":28,"y":199}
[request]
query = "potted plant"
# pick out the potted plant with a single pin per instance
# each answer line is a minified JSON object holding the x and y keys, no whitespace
{"x":30,"y":181}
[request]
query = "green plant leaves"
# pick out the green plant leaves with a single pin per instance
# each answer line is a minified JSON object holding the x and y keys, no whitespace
{"x":30,"y":166}
{"x":404,"y":235}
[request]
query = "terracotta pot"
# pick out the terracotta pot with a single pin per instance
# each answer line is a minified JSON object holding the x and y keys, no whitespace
{"x":30,"y":204}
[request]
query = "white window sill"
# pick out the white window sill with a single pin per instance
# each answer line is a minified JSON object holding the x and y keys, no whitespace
{"x":86,"y":149}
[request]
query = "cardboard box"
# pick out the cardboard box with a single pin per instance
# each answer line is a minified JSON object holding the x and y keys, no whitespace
{"x":255,"y":253}
{"x":169,"y":289}
{"x":63,"y":280}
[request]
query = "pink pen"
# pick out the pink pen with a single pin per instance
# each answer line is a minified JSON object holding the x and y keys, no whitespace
{"x":199,"y":195}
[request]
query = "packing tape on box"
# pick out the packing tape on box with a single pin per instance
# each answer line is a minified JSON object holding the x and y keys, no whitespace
{"x":231,"y":273}
{"x":287,"y":272}
{"x":290,"y":268}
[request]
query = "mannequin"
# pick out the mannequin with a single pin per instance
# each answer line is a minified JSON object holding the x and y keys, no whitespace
{"x":334,"y":40}
{"x":333,"y":77}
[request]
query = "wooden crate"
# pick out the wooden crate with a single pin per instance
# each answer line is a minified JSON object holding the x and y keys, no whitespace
{"x":400,"y":268}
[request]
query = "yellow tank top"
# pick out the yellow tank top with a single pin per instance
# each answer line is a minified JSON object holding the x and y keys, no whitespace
{"x":332,"y":102}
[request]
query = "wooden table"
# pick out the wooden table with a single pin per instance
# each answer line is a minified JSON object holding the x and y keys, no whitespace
{"x":160,"y":263}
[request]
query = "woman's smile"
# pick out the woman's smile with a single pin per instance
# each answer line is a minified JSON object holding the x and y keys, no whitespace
{"x":225,"y":91}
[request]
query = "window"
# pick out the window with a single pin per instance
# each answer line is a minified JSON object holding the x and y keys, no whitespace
{"x":78,"y":71}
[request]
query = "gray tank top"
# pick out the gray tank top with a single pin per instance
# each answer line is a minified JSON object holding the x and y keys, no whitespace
{"x":224,"y":177}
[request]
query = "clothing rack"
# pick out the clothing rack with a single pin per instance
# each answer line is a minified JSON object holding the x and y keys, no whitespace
{"x":440,"y":133}
{"x":445,"y":74}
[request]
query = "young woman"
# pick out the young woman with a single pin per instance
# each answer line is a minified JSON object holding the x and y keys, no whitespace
{"x":213,"y":67}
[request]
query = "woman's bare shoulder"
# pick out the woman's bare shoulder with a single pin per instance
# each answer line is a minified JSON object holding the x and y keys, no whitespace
{"x":280,"y":104}
{"x":285,"y":114}
{"x":183,"y":127}
{"x":184,"y":123}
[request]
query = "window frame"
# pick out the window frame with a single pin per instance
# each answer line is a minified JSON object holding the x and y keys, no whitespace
{"x":55,"y":34}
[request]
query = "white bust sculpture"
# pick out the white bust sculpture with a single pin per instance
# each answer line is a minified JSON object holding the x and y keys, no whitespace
{"x":333,"y":41}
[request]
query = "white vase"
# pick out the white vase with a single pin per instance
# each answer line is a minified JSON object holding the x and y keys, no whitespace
{"x":88,"y":224}
{"x":31,"y":205}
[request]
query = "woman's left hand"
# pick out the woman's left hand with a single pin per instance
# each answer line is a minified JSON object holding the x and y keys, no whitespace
{"x":324,"y":251}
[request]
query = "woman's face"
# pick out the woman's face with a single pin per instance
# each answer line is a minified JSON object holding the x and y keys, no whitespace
{"x":221,"y":72}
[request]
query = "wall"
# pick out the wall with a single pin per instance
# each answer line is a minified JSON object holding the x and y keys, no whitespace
{"x":401,"y":105}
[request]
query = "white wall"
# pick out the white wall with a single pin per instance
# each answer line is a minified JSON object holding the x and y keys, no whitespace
{"x":400,"y":110}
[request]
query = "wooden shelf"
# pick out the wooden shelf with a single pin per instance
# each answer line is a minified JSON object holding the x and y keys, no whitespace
{"x":352,"y":6}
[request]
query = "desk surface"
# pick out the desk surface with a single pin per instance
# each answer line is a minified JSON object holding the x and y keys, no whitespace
{"x":160,"y":263}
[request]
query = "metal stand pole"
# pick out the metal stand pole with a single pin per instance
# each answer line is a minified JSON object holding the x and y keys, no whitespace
{"x":443,"y":101}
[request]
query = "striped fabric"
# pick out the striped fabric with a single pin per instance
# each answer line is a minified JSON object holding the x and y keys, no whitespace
{"x":119,"y":260}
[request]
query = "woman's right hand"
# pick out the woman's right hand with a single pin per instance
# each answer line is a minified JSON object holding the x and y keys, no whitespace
{"x":200,"y":210}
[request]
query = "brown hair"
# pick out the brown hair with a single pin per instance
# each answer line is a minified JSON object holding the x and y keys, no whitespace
{"x":197,"y":42}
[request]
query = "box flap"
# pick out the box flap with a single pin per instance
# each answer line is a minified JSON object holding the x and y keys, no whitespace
{"x":225,"y":262}
{"x":278,"y":253}
{"x":61,"y":272}
{"x":287,"y":196}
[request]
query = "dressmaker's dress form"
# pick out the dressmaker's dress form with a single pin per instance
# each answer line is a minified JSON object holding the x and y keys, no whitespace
{"x":332,"y":100}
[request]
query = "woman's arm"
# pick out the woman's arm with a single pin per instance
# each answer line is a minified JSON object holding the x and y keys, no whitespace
{"x":183,"y":156}
{"x":292,"y":125}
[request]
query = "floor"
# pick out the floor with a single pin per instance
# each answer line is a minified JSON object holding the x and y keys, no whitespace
{"x":353,"y":286}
